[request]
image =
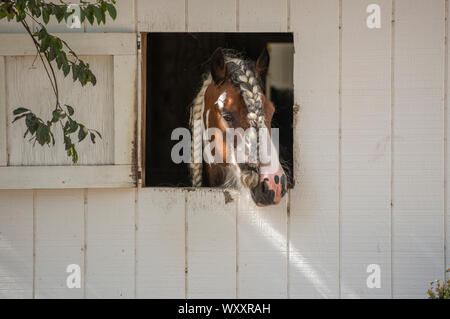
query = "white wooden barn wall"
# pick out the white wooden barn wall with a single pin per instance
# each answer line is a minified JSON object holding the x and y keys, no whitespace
{"x":371,"y":168}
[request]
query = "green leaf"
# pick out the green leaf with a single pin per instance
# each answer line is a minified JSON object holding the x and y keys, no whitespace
{"x":45,"y":43}
{"x":56,"y":45}
{"x":3,"y":13}
{"x":111,"y":10}
{"x":93,"y":79}
{"x":74,"y":155}
{"x":70,"y":109}
{"x":66,"y":69}
{"x":90,"y":14}
{"x":20,"y":17}
{"x":66,"y":127}
{"x":92,"y":137}
{"x":60,"y":60}
{"x":82,"y":133}
{"x":42,"y":134}
{"x":98,"y":14}
{"x":45,"y":14}
{"x":56,"y":117}
{"x":67,"y":142}
{"x":75,"y":72}
{"x":53,"y":137}
{"x":82,"y":15}
{"x":73,"y":126}
{"x":20,"y":110}
{"x":36,"y":11}
{"x":99,"y":135}
{"x":59,"y":13}
{"x":18,"y":117}
{"x":31,"y":122}
{"x":51,"y":54}
{"x":83,"y":77}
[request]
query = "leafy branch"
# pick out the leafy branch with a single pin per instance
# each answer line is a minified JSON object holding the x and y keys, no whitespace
{"x":53,"y":51}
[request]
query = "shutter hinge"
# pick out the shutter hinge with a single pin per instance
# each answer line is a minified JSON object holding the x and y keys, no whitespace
{"x":138,"y":44}
{"x":139,"y":175}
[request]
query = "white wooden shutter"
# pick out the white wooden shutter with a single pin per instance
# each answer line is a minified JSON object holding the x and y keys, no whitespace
{"x":109,"y":107}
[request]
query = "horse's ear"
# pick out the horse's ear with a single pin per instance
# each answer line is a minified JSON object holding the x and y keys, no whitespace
{"x":218,"y":68}
{"x":262,"y":63}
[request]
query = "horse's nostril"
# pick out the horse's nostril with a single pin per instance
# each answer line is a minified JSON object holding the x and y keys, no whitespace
{"x":283,"y":185}
{"x":262,"y":195}
{"x":264,"y":185}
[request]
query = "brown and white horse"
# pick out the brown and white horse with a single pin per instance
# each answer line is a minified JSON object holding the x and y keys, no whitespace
{"x":231,"y":98}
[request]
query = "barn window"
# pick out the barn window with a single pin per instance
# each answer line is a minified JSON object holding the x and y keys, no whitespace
{"x":172,"y":75}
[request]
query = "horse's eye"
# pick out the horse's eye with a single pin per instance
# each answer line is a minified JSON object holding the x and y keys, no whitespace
{"x":227,"y":117}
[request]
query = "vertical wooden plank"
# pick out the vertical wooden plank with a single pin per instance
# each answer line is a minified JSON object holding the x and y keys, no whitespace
{"x":124,"y":108}
{"x":28,"y":86}
{"x":161,"y":16}
{"x":125,"y":20}
{"x":447,"y":151}
{"x":3,"y":147}
{"x":16,"y":244}
{"x":365,"y":160}
{"x":141,"y":107}
{"x":262,"y":249}
{"x":110,"y":253}
{"x":160,"y":243}
{"x":211,"y":15}
{"x":263,"y":15}
{"x":417,"y":146}
{"x":59,"y":241}
{"x":211,"y":244}
{"x":314,"y":207}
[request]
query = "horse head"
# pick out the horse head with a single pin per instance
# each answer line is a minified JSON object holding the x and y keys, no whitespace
{"x":231,"y":111}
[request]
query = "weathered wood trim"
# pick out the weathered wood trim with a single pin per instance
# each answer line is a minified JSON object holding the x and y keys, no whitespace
{"x":142,"y":105}
{"x":3,"y":143}
{"x":82,"y":43}
{"x":95,"y":176}
{"x":124,"y":108}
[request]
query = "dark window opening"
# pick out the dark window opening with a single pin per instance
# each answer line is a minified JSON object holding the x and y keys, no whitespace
{"x":175,"y":64}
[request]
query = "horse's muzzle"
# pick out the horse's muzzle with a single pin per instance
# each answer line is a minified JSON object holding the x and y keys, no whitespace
{"x":270,"y":189}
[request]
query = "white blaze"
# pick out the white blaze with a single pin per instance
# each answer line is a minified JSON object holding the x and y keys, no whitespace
{"x":221,"y":100}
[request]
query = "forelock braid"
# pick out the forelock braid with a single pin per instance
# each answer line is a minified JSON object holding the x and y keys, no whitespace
{"x":242,"y":75}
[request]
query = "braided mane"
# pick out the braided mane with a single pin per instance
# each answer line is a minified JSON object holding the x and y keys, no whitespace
{"x":242,"y":74}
